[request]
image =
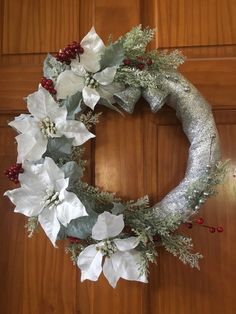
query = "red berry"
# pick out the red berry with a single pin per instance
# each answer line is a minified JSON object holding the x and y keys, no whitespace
{"x":212,"y":229}
{"x":13,"y":172}
{"x":74,"y":240}
{"x":49,"y":82}
{"x":81,"y":49}
{"x":199,"y":221}
{"x":220,"y":229}
{"x":189,"y":225}
{"x":48,"y":85}
{"x":149,"y":61}
{"x":69,"y":52}
{"x":127,"y":62}
{"x":141,"y":66}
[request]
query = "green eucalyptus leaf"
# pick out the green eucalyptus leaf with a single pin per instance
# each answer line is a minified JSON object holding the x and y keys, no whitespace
{"x":62,"y":233}
{"x":118,"y":208}
{"x":81,"y":227}
{"x":91,"y":204}
{"x":112,"y":56}
{"x":52,"y":68}
{"x":72,"y":171}
{"x":72,"y":104}
{"x":59,"y":147}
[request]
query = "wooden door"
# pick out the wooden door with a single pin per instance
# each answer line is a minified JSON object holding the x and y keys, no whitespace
{"x":136,"y":155}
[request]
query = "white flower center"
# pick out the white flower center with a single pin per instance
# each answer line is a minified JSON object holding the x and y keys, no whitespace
{"x":51,"y":198}
{"x":107,"y":248}
{"x":47,"y":127}
{"x":90,"y":81}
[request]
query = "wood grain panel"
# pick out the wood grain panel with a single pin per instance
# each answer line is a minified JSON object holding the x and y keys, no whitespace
{"x":178,"y":16}
{"x":115,"y":17}
{"x":209,"y":52}
{"x":16,"y":82}
{"x":195,"y":23}
{"x":215,"y":78}
{"x":49,"y":277}
{"x":11,"y":235}
{"x":39,"y":26}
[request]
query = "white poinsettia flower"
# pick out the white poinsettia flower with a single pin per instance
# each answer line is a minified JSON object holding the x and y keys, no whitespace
{"x":43,"y":194}
{"x":92,"y":85}
{"x":121,"y":258}
{"x":46,"y":120}
{"x":84,"y":75}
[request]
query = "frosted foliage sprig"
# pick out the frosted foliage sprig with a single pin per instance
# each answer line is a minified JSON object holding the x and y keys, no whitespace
{"x":156,"y":221}
{"x":89,"y":119}
{"x":74,"y":250}
{"x":147,"y":248}
{"x":135,"y":41}
{"x":137,"y":78}
{"x":181,"y":246}
{"x":95,"y":193}
{"x":31,"y":226}
{"x":165,"y":60}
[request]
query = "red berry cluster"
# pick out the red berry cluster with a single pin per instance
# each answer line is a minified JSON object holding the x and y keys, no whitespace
{"x":74,"y":240}
{"x":48,"y":85}
{"x":69,"y":52}
{"x":13,"y":172}
{"x":200,"y":221}
{"x":140,"y":62}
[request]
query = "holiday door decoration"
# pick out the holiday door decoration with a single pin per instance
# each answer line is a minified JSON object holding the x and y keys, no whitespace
{"x":104,"y":233}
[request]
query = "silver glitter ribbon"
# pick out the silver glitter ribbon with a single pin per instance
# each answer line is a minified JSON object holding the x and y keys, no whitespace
{"x":199,"y":126}
{"x":129,"y":97}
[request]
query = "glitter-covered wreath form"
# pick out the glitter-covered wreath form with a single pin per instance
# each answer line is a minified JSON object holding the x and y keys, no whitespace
{"x":105,"y":233}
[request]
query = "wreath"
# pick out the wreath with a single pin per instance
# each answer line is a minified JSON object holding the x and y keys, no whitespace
{"x":104,"y":233}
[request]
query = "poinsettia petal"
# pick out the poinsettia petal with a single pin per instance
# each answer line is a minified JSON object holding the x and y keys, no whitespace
{"x":26,"y":203}
{"x":75,"y":129}
{"x":90,"y":263}
{"x":129,"y":267}
{"x":31,"y":178}
{"x":41,"y":103}
{"x":93,"y":42}
{"x":60,"y":114}
{"x":70,"y":208}
{"x":107,"y":226}
{"x":53,"y":171}
{"x":61,"y":184}
{"x":90,"y":96}
{"x":110,"y":270}
{"x":50,"y":224}
{"x":90,"y":60}
{"x":30,"y":148}
{"x":68,"y":83}
{"x":126,"y":244}
{"x":106,"y":76}
{"x":24,"y":123}
{"x":77,"y":67}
